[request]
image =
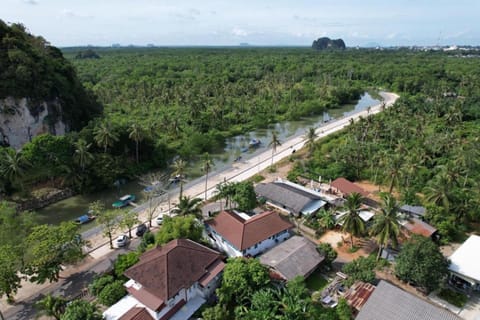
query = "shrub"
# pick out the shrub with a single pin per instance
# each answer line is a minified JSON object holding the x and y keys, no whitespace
{"x":99,"y":283}
{"x":458,"y":299}
{"x":125,"y":261}
{"x":328,"y":252}
{"x":111,"y":293}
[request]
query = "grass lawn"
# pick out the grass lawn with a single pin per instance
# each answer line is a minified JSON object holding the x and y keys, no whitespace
{"x":316,"y":282}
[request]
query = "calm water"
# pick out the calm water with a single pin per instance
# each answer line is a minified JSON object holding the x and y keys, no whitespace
{"x":73,"y":207}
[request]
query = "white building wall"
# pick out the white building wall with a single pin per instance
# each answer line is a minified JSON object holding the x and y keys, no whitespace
{"x":255,"y":250}
{"x":171,"y":303}
{"x":267,"y":244}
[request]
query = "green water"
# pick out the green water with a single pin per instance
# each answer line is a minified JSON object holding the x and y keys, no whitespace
{"x":73,"y":207}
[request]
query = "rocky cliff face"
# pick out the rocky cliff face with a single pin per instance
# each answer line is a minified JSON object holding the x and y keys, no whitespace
{"x":22,"y":119}
{"x":327,"y":43}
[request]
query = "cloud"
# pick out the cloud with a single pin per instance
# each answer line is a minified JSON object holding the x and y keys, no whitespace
{"x":32,"y":2}
{"x":236,"y":31}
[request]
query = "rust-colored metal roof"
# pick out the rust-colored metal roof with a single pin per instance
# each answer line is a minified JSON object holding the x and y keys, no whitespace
{"x":163,"y":271}
{"x":137,"y":313}
{"x":243,"y":234}
{"x":417,"y":226}
{"x":358,"y":294}
{"x":346,"y":187}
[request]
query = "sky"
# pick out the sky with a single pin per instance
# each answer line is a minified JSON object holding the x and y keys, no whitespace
{"x":257,"y":22}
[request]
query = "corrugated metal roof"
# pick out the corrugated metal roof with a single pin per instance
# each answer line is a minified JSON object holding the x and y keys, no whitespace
{"x":392,"y":303}
{"x":287,"y":195}
{"x":418,"y":210}
{"x":296,"y":256}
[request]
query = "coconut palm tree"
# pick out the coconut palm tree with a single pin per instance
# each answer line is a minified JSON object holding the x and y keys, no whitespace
{"x":136,"y":133}
{"x":82,"y":156}
{"x":386,"y":225}
{"x":13,"y":165}
{"x":207,"y":166}
{"x":351,"y":221}
{"x":179,"y":167}
{"x":187,"y":206}
{"x":310,"y":137}
{"x":51,"y":306}
{"x":274,"y":143}
{"x":104,"y":136}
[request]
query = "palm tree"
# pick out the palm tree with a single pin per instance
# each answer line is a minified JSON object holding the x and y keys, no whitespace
{"x":136,"y":134}
{"x":326,"y":219}
{"x":13,"y":165}
{"x":310,"y":137}
{"x":351,"y":221}
{"x":207,"y":166}
{"x":386,"y":225}
{"x":82,"y":156}
{"x":179,"y":172}
{"x":188,"y":206}
{"x":274,"y":143}
{"x":438,"y":191}
{"x":225,"y":191}
{"x":104,"y":136}
{"x":51,"y":306}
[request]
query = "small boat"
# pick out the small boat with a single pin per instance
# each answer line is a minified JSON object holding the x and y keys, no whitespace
{"x":151,"y":188}
{"x":124,"y":201}
{"x":244,"y":149}
{"x":254,"y":143}
{"x":85,"y":218}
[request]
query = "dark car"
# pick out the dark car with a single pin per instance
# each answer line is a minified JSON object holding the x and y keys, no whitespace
{"x":141,"y":229}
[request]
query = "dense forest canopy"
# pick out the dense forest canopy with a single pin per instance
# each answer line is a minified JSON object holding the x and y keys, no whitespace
{"x":31,"y":68}
{"x":164,"y":102}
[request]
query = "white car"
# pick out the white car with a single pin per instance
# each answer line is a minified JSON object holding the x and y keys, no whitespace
{"x":159,"y":220}
{"x":121,"y":241}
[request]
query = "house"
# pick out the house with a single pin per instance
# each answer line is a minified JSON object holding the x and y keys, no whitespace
{"x":390,"y":302}
{"x":366,"y":216}
{"x":240,"y":235}
{"x":290,"y":197}
{"x":414,"y":211}
{"x":169,"y":282}
{"x":417,"y":226}
{"x":345,"y":187}
{"x":465,"y":265}
{"x":296,"y":256}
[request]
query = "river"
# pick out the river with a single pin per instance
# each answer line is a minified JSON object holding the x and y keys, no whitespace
{"x":73,"y":207}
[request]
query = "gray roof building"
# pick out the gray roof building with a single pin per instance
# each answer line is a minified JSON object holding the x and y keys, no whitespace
{"x":289,"y":197}
{"x":390,"y":302}
{"x":296,"y":256}
{"x":418,"y":211}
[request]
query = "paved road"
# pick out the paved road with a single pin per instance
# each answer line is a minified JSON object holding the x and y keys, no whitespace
{"x":100,"y":255}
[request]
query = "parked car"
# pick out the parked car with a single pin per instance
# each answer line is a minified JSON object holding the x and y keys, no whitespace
{"x":141,"y":229}
{"x":159,"y":220}
{"x":121,"y":241}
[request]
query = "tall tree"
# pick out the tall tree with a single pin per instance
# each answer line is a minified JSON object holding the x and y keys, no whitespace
{"x":179,"y":227}
{"x":82,"y":156}
{"x":420,"y":262}
{"x":351,"y":221}
{"x":137,"y":134}
{"x":10,"y":264}
{"x":105,"y":136}
{"x":274,"y":143}
{"x":13,"y":165}
{"x":49,"y":248}
{"x":310,"y":138}
{"x":386,"y":225}
{"x":207,"y":166}
{"x":109,"y":221}
{"x":128,"y":221}
{"x":179,"y":167}
{"x":187,"y":206}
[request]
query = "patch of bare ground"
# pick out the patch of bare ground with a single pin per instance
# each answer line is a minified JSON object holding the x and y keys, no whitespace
{"x":334,"y":238}
{"x":375,"y":190}
{"x":282,"y":170}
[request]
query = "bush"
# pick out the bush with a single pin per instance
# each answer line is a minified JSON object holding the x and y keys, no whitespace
{"x":111,"y":293}
{"x":99,"y":283}
{"x":458,"y":299}
{"x":125,"y":261}
{"x":328,"y":252}
{"x":360,"y":269}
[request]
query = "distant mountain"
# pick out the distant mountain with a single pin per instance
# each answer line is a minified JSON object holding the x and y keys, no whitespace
{"x":325,"y":43}
{"x":39,"y":89}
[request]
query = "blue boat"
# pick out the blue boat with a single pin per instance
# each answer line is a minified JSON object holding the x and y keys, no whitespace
{"x":124,"y":201}
{"x":254,"y":143}
{"x":84,"y":219}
